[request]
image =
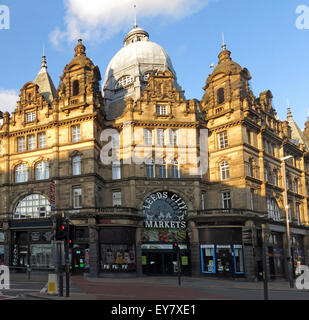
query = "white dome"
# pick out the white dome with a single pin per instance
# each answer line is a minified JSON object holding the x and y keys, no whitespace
{"x":126,"y":74}
{"x":145,"y":54}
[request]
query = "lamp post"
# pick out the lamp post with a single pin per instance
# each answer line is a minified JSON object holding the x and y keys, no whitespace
{"x":286,"y":205}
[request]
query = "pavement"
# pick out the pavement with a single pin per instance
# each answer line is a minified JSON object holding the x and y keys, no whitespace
{"x":153,"y":288}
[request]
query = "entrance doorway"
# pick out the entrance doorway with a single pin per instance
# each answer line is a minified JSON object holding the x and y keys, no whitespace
{"x":159,"y":263}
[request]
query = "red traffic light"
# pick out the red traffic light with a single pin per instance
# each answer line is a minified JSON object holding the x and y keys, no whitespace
{"x":175,"y":245}
{"x":62,"y":227}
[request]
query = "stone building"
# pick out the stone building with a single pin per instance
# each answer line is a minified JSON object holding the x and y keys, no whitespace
{"x":137,"y":167}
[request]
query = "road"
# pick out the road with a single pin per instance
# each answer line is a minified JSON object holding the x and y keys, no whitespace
{"x":150,"y":288}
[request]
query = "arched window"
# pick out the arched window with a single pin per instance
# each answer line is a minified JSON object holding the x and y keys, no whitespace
{"x":76,"y":165}
{"x":42,"y":171}
{"x":124,"y":81}
{"x":224,"y":170}
{"x":21,"y":173}
{"x":220,"y":95}
{"x":75,"y":87}
{"x":32,"y":206}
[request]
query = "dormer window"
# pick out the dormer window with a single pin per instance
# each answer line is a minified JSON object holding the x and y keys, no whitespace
{"x":124,"y":81}
{"x":75,"y":87}
{"x":30,"y":116}
{"x":161,"y":110}
{"x":220,"y":95}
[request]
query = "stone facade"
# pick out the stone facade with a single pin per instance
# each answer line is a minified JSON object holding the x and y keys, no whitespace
{"x":114,"y":176}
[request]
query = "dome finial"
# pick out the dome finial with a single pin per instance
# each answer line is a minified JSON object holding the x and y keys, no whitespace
{"x":80,"y":49}
{"x":135,"y":24}
{"x":223,"y":42}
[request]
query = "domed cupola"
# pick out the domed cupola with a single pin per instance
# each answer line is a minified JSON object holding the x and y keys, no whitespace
{"x":128,"y":71}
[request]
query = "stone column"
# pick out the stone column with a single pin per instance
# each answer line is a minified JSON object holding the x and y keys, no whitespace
{"x":93,"y":248}
{"x":194,"y":250}
{"x":138,"y":243}
{"x":7,"y":243}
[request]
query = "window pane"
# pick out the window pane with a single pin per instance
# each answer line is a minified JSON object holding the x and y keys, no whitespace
{"x":77,"y":170}
{"x":42,"y":140}
{"x":76,"y":133}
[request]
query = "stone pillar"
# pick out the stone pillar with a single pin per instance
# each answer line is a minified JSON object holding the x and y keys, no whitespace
{"x":93,"y":248}
{"x":195,"y":258}
{"x":139,"y":267}
{"x":7,"y":243}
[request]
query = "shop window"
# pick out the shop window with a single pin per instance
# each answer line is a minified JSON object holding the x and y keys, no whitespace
{"x":117,"y":258}
{"x":208,"y":259}
{"x":41,"y":255}
{"x":238,"y":259}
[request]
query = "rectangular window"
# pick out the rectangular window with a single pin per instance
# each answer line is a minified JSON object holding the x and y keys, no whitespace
{"x":173,"y":137}
{"x":77,"y":165}
{"x":208,"y":259}
{"x":160,"y":137}
{"x":116,"y":171}
{"x":222,"y":140}
{"x":150,"y":170}
{"x":298,"y":213}
{"x":77,"y":198}
{"x":30,"y":116}
{"x":163,"y":170}
{"x":31,"y":142}
{"x":117,"y":198}
{"x":75,"y":133}
{"x":21,"y":145}
{"x":252,"y":199}
{"x":42,"y":140}
{"x":203,"y":201}
{"x":249,"y":136}
{"x":226,"y":200}
{"x":161,"y":110}
{"x":175,"y":169}
{"x":238,"y":259}
{"x":148,"y":137}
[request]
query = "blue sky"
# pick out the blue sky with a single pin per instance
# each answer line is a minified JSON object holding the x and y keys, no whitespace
{"x":262,"y":36}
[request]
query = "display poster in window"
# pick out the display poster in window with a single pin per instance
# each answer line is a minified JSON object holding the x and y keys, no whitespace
{"x":118,"y":258}
{"x":1,"y":236}
{"x":184,"y":260}
{"x":164,"y":235}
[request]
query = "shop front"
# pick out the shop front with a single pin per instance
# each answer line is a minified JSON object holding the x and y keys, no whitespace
{"x":297,"y":251}
{"x":117,"y":250}
{"x":276,"y":255}
{"x":222,"y":252}
{"x":33,"y":247}
{"x":164,"y":223}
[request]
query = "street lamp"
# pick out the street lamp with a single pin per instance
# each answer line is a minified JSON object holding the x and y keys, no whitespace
{"x":286,"y":205}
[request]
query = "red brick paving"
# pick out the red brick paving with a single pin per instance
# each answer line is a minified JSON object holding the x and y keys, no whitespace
{"x":139,"y":291}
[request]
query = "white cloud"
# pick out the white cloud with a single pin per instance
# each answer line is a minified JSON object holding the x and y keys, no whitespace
{"x":99,"y":19}
{"x":8,"y":100}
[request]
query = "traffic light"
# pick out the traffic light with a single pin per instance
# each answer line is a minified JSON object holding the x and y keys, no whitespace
{"x":176,"y":246}
{"x":61,"y":228}
{"x":71,"y":234}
